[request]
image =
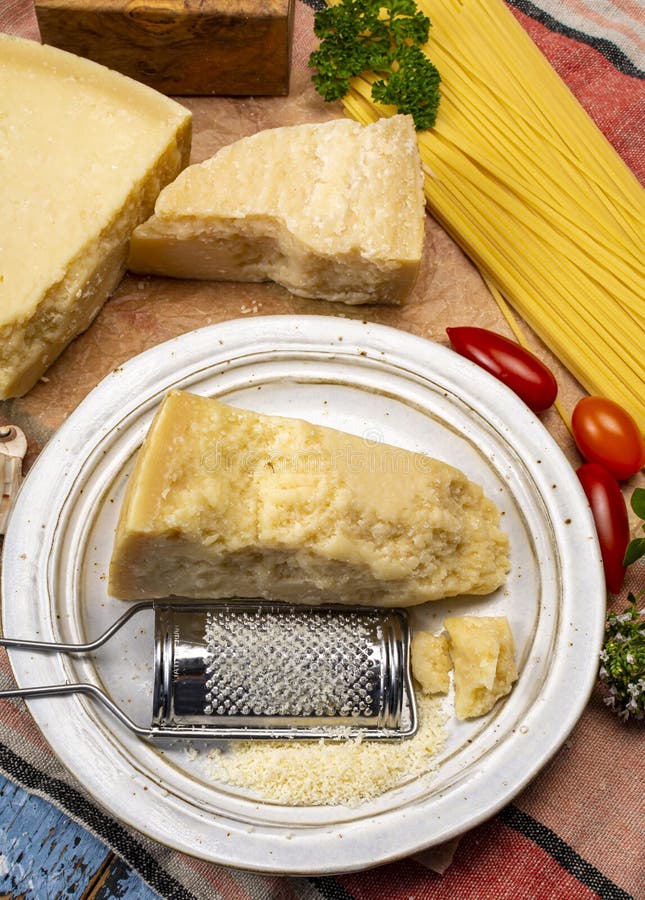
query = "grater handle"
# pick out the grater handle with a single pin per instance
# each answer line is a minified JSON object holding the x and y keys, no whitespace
{"x":57,"y":690}
{"x":53,"y":647}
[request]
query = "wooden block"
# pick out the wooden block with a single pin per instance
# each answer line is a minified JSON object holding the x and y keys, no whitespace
{"x":181,"y":47}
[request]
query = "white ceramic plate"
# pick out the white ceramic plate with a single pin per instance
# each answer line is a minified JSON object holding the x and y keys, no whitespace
{"x":367,"y":379}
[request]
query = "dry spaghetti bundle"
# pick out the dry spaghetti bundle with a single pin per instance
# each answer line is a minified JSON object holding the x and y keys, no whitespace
{"x":524,"y":181}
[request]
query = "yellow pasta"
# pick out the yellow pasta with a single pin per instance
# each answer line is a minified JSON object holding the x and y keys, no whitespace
{"x":521,"y":177}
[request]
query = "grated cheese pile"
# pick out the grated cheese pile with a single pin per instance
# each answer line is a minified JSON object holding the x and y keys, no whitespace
{"x":329,"y":773}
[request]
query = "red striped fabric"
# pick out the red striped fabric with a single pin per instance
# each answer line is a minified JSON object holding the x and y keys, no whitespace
{"x":492,"y":861}
{"x":614,"y":100}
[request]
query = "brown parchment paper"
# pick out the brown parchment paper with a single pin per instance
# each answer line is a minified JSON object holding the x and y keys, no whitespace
{"x":145,"y":311}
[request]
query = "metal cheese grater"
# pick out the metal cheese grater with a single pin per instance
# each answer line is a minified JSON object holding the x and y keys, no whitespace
{"x":252,"y":669}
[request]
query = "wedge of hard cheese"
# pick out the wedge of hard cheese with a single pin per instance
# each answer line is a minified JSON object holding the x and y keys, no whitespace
{"x":333,"y":211}
{"x":225,"y":502}
{"x":483,"y":654}
{"x":83,"y":154}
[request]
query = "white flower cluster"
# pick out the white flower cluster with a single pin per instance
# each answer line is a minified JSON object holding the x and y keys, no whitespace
{"x":622,"y":664}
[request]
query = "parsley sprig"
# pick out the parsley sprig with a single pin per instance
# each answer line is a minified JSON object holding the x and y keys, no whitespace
{"x":384,"y":37}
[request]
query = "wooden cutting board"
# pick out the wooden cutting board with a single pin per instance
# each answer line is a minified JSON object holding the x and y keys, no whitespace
{"x":181,"y":47}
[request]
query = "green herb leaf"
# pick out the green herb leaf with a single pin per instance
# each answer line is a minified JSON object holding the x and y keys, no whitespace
{"x":635,"y":549}
{"x":384,"y":37}
{"x":638,"y":502}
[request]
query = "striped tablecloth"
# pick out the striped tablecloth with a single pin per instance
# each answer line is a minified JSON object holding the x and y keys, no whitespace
{"x":577,"y":830}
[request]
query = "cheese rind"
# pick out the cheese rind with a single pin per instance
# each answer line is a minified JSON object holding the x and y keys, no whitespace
{"x":225,"y":502}
{"x":332,"y":211}
{"x":83,"y":155}
{"x":483,"y":654}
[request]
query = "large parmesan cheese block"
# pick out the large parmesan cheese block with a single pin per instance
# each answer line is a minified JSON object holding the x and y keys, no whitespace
{"x":224,"y":502}
{"x":84,"y":153}
{"x":332,"y":210}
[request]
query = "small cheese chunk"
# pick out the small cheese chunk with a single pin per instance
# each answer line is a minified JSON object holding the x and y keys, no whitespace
{"x":226,"y":502}
{"x":431,"y":663}
{"x":483,"y":655}
{"x":84,"y":153}
{"x":332,"y":211}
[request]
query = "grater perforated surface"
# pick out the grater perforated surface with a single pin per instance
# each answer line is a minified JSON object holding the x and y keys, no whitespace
{"x":295,"y":663}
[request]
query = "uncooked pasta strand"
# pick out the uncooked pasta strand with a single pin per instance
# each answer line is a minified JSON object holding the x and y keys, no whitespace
{"x":521,"y":177}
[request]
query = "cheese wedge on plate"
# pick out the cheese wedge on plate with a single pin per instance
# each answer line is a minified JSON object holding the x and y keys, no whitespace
{"x":483,"y":654}
{"x":332,"y":211}
{"x":224,"y":502}
{"x":84,"y":152}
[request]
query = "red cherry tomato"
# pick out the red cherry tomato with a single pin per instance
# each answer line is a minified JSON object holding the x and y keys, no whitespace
{"x":610,"y":515}
{"x":606,"y":433}
{"x":518,"y":368}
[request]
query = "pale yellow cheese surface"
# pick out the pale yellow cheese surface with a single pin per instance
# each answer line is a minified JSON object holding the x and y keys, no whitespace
{"x":332,"y":210}
{"x":483,"y":655}
{"x":84,"y":152}
{"x":226,"y":502}
{"x":430,"y":662}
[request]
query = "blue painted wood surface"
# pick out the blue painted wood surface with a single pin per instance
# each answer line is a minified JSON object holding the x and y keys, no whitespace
{"x":44,"y":854}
